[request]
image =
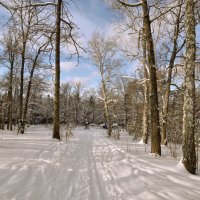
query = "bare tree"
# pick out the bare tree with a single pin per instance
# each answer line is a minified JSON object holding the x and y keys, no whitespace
{"x":8,"y":58}
{"x":64,"y":28}
{"x":69,"y":37}
{"x":26,"y":21}
{"x":77,"y":87}
{"x":41,"y":49}
{"x":154,"y":108}
{"x":56,"y":127}
{"x":66,"y":101}
{"x":176,"y":48}
{"x":103,"y":54}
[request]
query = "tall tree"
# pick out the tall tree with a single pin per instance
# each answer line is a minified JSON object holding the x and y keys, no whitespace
{"x":68,"y":37}
{"x":104,"y":55}
{"x":29,"y":8}
{"x":24,"y":17}
{"x":77,"y":101}
{"x":189,"y":155}
{"x":146,"y":93}
{"x":27,"y":21}
{"x":154,"y":108}
{"x":56,"y":127}
{"x":176,"y":48}
{"x":41,"y":48}
{"x":10,"y":46}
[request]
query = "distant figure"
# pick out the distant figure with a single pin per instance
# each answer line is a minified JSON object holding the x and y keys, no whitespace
{"x":21,"y":126}
{"x":86,"y":124}
{"x":105,"y":126}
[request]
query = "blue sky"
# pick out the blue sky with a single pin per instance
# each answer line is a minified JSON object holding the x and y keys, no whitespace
{"x":90,"y":16}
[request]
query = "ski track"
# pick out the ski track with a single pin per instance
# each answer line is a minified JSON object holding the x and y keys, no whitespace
{"x":87,"y":167}
{"x":64,"y":170}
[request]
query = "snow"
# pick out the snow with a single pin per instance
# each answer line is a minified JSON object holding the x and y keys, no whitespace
{"x":89,"y":166}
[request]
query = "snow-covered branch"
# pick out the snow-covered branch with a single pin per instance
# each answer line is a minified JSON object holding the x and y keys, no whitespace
{"x":112,"y":100}
{"x":44,"y":4}
{"x":101,"y":98}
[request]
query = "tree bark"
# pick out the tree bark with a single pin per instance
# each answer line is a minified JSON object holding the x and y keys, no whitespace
{"x":29,"y":86}
{"x":10,"y":95}
{"x":146,"y":94}
{"x":22,"y":81}
{"x":166,"y":106}
{"x":3,"y":118}
{"x":188,"y":146}
{"x":56,"y":128}
{"x":154,"y":108}
{"x":126,"y":109}
{"x":106,"y":107}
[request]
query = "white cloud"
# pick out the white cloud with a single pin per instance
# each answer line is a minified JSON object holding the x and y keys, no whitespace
{"x":77,"y":79}
{"x":91,"y":79}
{"x":67,"y":66}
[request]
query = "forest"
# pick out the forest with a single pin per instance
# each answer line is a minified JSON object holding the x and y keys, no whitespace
{"x":148,"y":73}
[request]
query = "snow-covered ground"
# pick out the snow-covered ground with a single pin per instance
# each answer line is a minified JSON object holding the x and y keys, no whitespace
{"x":88,"y":167}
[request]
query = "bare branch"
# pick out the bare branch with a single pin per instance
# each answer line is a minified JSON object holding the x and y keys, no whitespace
{"x":181,"y":47}
{"x":168,"y":10}
{"x":69,"y":24}
{"x":5,"y":6}
{"x":30,"y":5}
{"x":41,"y":4}
{"x":129,"y":4}
{"x":173,"y":84}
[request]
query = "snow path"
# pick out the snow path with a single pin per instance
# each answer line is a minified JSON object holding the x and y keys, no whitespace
{"x":88,"y":167}
{"x":58,"y":170}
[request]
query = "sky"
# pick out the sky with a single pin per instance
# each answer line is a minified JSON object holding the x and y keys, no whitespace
{"x":89,"y":16}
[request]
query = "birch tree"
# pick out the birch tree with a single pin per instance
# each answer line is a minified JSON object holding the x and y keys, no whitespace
{"x":103,"y":54}
{"x":145,"y":132}
{"x":189,"y":155}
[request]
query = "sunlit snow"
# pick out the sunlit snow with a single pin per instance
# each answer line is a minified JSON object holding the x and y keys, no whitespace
{"x":88,"y":166}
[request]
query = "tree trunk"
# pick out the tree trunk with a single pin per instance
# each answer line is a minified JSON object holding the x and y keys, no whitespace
{"x":22,"y":86}
{"x":16,"y":104}
{"x":3,"y":121}
{"x":10,"y":97}
{"x":105,"y":97}
{"x":166,"y":107}
{"x":3,"y":118}
{"x":126,"y":109}
{"x":29,"y":86}
{"x":168,"y":84}
{"x":146,"y":112}
{"x":189,"y":155}
{"x":154,"y":108}
{"x":106,"y":108}
{"x":22,"y":81}
{"x":56,"y":128}
{"x":146,"y":95}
